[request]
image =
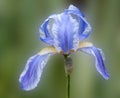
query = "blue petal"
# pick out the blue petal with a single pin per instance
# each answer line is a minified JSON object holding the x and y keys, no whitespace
{"x":45,"y":35}
{"x":84,"y":27}
{"x":73,"y":8}
{"x":32,"y":72}
{"x":65,"y":31}
{"x":97,"y":53}
{"x":61,"y":31}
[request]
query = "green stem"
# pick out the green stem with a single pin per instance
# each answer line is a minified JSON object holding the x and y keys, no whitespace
{"x":68,"y":86}
{"x":68,"y":70}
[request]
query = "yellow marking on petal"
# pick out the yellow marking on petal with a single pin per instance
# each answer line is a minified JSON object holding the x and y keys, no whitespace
{"x":72,"y":51}
{"x":61,"y":52}
{"x":47,"y":50}
{"x":85,"y":44}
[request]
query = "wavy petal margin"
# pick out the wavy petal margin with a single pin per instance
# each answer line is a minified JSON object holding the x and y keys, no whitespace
{"x":31,"y":75}
{"x":84,"y":26}
{"x":99,"y":59}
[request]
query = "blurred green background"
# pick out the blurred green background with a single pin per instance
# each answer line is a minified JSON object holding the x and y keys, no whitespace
{"x":19,"y":39}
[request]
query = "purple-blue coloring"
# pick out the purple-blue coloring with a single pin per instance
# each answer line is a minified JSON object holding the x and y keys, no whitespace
{"x":64,"y":33}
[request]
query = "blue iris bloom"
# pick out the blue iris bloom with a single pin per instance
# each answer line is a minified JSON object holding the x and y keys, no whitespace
{"x":64,"y":33}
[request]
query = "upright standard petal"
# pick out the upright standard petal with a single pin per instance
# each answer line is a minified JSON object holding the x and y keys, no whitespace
{"x":34,"y":68}
{"x":62,"y":29}
{"x":65,"y":31}
{"x":45,"y":34}
{"x":84,"y":27}
{"x":97,"y":53}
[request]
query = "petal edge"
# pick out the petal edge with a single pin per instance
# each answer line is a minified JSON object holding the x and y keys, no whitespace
{"x":31,"y":74}
{"x":99,"y":59}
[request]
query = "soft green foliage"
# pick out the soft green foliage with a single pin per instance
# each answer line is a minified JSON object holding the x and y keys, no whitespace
{"x":19,"y":24}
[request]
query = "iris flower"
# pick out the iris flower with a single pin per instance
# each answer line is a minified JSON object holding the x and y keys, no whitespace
{"x":64,"y":34}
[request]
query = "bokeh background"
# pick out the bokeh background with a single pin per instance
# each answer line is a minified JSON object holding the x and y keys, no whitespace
{"x":19,"y":39}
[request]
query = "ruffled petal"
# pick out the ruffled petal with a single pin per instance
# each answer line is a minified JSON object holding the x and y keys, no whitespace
{"x":99,"y":59}
{"x":65,"y":32}
{"x":61,"y":31}
{"x":45,"y":34}
{"x":84,"y":27}
{"x":31,"y":75}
